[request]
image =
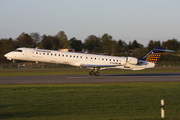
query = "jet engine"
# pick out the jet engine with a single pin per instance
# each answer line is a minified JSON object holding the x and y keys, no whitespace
{"x":132,"y":60}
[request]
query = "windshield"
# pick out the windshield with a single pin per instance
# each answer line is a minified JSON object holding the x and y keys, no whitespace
{"x":17,"y":50}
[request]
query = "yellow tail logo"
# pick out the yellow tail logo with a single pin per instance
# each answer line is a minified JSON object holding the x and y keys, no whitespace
{"x":153,"y":57}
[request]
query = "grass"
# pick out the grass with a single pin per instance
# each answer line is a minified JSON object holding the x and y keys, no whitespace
{"x":71,"y":71}
{"x":105,"y":101}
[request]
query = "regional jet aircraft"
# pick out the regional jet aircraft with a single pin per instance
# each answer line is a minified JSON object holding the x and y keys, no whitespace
{"x":91,"y":61}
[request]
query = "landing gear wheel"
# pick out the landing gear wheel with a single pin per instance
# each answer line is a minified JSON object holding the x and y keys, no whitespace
{"x":96,"y":73}
{"x":91,"y":73}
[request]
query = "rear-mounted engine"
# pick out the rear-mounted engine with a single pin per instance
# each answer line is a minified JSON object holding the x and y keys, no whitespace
{"x":132,"y":60}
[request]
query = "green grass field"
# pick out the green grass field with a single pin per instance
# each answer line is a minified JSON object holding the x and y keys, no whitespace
{"x":72,"y":71}
{"x":105,"y":101}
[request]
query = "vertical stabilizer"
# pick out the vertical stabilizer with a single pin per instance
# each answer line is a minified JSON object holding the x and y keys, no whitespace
{"x":154,"y":54}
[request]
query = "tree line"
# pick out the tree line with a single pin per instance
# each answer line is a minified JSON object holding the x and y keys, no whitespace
{"x":104,"y":45}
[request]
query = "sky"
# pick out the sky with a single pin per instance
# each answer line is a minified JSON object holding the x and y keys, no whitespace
{"x":128,"y":20}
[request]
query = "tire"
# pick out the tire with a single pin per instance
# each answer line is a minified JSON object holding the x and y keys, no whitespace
{"x":91,"y":73}
{"x":96,"y":73}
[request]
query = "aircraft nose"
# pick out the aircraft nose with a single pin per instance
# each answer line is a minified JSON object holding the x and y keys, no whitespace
{"x":6,"y":55}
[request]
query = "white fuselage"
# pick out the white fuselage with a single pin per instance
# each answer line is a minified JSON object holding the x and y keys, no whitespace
{"x":75,"y":59}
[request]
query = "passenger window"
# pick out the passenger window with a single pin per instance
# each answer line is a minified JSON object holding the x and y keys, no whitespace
{"x":66,"y":55}
{"x":86,"y":57}
{"x":106,"y":59}
{"x":109,"y":59}
{"x":102,"y":58}
{"x":43,"y":53}
{"x":70,"y":56}
{"x":55,"y":54}
{"x":63,"y":55}
{"x":74,"y":56}
{"x":113,"y":60}
{"x":117,"y":60}
{"x":47,"y":53}
{"x":77,"y":56}
{"x":81,"y":56}
{"x":36,"y":52}
{"x":59,"y":54}
{"x":95,"y":58}
{"x":51,"y":54}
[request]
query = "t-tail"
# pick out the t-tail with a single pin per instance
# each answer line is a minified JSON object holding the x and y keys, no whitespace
{"x":154,"y":54}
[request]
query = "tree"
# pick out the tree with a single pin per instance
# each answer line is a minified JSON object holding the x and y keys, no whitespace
{"x":47,"y":43}
{"x":171,"y":44}
{"x":114,"y":46}
{"x":120,"y":46}
{"x":106,"y":41}
{"x":6,"y":45}
{"x":97,"y":45}
{"x":92,"y":43}
{"x":125,"y":49}
{"x":153,"y":44}
{"x":137,"y":51}
{"x":130,"y":45}
{"x":36,"y":37}
{"x":150,"y":45}
{"x":25,"y":40}
{"x":135,"y":44}
{"x":75,"y":44}
{"x":157,"y":44}
{"x":63,"y":41}
{"x":175,"y":44}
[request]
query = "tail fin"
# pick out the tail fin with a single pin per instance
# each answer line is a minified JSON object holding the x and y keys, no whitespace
{"x":154,"y":54}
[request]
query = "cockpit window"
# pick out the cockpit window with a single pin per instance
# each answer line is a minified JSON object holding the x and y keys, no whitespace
{"x":17,"y":50}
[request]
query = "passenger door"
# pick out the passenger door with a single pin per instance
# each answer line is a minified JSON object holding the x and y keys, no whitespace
{"x":28,"y":53}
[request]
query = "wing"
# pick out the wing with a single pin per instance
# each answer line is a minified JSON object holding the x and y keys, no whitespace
{"x":97,"y":66}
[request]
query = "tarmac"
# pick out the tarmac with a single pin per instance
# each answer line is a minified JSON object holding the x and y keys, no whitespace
{"x":82,"y":79}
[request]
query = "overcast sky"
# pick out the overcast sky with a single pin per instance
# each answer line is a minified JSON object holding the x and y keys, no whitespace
{"x":128,"y":20}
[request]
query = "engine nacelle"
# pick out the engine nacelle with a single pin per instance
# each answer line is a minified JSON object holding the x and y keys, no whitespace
{"x":132,"y":60}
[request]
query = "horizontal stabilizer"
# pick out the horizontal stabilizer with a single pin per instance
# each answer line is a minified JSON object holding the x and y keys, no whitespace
{"x":162,"y":49}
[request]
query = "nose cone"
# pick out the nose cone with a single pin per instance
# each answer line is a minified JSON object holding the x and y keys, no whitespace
{"x":8,"y":56}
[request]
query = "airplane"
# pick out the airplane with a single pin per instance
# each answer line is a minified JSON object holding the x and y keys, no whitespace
{"x":93,"y":62}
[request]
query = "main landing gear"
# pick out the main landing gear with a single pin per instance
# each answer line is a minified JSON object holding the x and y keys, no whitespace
{"x":94,"y":72}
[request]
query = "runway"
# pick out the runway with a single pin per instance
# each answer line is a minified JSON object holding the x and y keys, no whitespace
{"x":106,"y":78}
